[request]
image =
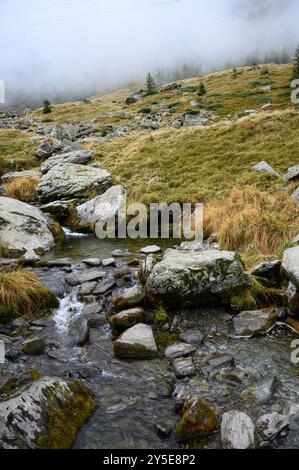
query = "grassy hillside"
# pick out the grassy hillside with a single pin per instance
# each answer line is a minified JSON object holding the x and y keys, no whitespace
{"x":15,"y":145}
{"x":253,"y":214}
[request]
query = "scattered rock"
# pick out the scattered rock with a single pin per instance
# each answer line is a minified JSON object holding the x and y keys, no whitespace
{"x":23,"y":228}
{"x":196,"y":278}
{"x":127,"y":318}
{"x":237,"y":431}
{"x":264,"y":168}
{"x":121,"y":253}
{"x":48,"y":147}
{"x":127,"y":297}
{"x":292,"y":174}
{"x":76,"y":278}
{"x":79,"y":331}
{"x":194,"y":337}
{"x":266,"y":106}
{"x":246,"y":324}
{"x":94,"y":262}
{"x":214,"y":362}
{"x":262,"y":392}
{"x":184,"y":367}
{"x":179,"y":350}
{"x":33,"y":346}
{"x":108,"y":262}
{"x":195,"y":120}
{"x":105,"y":286}
{"x":197,"y":421}
{"x":150,"y":250}
{"x":269,"y":426}
{"x":137,"y":342}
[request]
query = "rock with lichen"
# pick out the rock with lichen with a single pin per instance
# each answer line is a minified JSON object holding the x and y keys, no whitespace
{"x":198,"y":420}
{"x":47,"y":414}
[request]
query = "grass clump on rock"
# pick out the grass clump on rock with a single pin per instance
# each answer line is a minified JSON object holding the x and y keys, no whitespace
{"x":22,"y":294}
{"x":23,"y":189}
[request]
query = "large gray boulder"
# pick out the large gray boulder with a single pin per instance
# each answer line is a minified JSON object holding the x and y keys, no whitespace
{"x":76,"y":156}
{"x":196,"y":278}
{"x":195,"y":119}
{"x":237,"y":431}
{"x":45,"y":414}
{"x":292,"y":174}
{"x":67,"y":181}
{"x":103,"y":208}
{"x":23,"y":227}
{"x":137,"y":342}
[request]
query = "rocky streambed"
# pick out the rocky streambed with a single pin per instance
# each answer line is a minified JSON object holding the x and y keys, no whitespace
{"x":173,"y":377}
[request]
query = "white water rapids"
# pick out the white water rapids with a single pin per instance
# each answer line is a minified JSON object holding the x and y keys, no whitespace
{"x":69,"y":308}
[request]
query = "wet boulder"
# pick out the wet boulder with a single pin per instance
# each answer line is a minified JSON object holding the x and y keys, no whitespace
{"x":127,"y":318}
{"x":137,"y":342}
{"x":46,"y":414}
{"x":179,"y":350}
{"x":214,"y":363}
{"x":237,"y":431}
{"x":184,"y":367}
{"x":33,"y":346}
{"x":127,"y":297}
{"x":23,"y":228}
{"x":68,"y":181}
{"x":196,"y":278}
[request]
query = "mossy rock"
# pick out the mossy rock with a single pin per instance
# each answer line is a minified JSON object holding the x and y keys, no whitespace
{"x":198,"y":421}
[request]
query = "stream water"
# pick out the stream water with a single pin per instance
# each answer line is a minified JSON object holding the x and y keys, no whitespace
{"x":133,"y":397}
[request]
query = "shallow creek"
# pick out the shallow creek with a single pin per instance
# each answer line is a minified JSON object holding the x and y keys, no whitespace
{"x":135,"y":396}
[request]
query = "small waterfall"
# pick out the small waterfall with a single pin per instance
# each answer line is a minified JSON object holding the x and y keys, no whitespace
{"x":71,"y":234}
{"x":69,"y":308}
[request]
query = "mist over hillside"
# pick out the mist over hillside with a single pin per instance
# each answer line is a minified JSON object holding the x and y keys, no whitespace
{"x":72,"y":49}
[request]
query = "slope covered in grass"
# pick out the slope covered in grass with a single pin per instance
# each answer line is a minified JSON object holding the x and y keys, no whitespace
{"x":15,"y":147}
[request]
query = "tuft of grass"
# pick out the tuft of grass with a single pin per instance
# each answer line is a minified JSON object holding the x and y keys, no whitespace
{"x":22,"y":294}
{"x":161,"y":315}
{"x":251,"y":220}
{"x":256,"y":297}
{"x":23,"y":189}
{"x":4,"y":251}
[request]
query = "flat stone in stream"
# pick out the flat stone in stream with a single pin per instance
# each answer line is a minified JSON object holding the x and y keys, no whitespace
{"x":150,"y":250}
{"x":194,"y":337}
{"x":127,"y":297}
{"x":246,"y":324}
{"x":127,"y":318}
{"x":77,"y":278}
{"x":121,"y":253}
{"x":179,"y":350}
{"x":137,"y":342}
{"x":94,"y":262}
{"x":104,"y":286}
{"x":79,"y":330}
{"x":214,"y":363}
{"x":87,"y":288}
{"x":237,"y":431}
{"x":108,"y":262}
{"x":59,"y":263}
{"x":184,"y":367}
{"x":48,"y":413}
{"x":33,"y":346}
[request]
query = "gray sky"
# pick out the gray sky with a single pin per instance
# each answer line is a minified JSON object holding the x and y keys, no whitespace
{"x":60,"y":47}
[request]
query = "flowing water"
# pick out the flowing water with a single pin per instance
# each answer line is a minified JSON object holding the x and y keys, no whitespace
{"x":135,"y":396}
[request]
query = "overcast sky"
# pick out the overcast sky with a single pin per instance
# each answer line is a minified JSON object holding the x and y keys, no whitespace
{"x":64,"y":46}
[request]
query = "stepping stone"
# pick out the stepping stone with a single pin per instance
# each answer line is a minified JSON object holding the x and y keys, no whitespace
{"x":179,"y":350}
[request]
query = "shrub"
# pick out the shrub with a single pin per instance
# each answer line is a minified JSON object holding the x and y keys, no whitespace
{"x":202,"y":89}
{"x":47,"y":109}
{"x":23,"y":189}
{"x":22,"y":294}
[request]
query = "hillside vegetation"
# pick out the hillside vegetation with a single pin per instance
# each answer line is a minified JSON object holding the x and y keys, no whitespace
{"x":253,"y":213}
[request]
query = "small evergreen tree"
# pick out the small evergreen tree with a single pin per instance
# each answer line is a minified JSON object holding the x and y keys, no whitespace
{"x":47,"y":107}
{"x":235,"y":73}
{"x":296,"y":63}
{"x":151,"y":87}
{"x":202,"y":89}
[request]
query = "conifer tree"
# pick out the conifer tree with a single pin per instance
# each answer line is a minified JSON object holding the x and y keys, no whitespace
{"x":47,"y":107}
{"x":151,"y":86}
{"x":202,"y":89}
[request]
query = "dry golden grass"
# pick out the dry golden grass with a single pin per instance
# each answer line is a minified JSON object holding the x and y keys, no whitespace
{"x":15,"y":146}
{"x":250,"y":220}
{"x":22,"y":294}
{"x":23,"y":189}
